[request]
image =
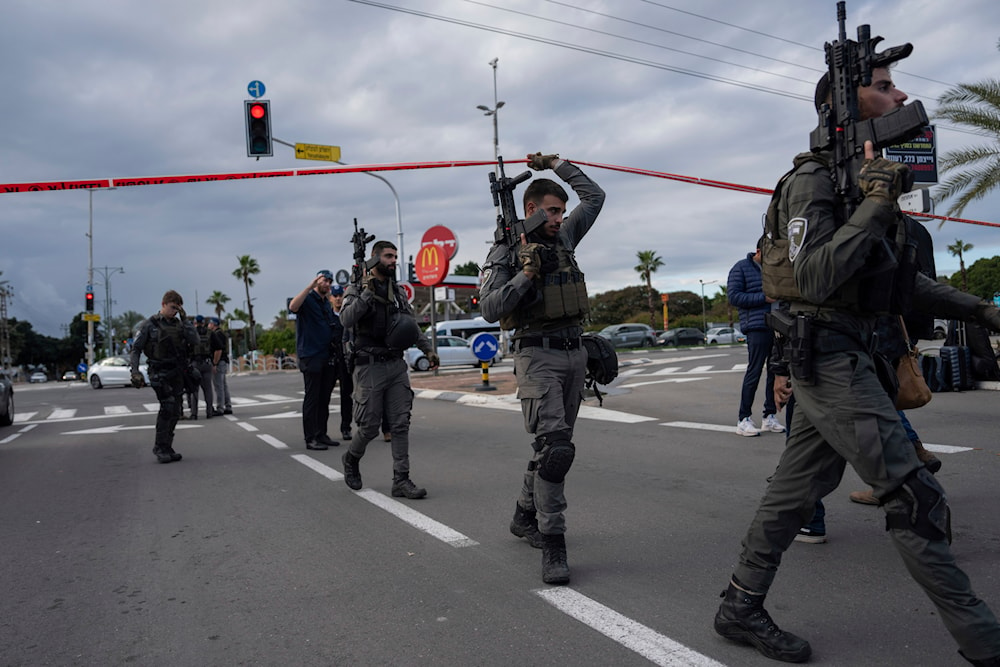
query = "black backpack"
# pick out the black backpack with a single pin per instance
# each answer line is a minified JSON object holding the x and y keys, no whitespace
{"x":602,"y":362}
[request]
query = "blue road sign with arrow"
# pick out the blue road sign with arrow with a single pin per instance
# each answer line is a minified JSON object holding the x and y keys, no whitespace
{"x":484,"y":346}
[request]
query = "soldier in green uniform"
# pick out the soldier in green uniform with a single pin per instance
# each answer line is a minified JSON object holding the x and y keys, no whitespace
{"x":848,"y":272}
{"x":165,"y":338}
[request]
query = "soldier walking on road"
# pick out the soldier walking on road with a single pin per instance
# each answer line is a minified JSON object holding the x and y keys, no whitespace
{"x":165,"y":338}
{"x":538,"y":290}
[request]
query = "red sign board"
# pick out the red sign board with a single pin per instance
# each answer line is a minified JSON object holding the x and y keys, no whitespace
{"x":442,"y":237}
{"x":431,"y":265}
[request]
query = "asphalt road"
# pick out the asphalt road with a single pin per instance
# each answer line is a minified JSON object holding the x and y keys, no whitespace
{"x":252,"y":551}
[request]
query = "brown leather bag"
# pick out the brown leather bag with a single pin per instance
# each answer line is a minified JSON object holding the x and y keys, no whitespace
{"x":913,"y":389}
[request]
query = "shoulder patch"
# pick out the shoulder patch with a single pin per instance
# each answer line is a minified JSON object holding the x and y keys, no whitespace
{"x":797,"y":228}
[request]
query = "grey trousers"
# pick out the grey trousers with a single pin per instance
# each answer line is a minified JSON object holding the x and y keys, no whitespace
{"x":383,"y":387}
{"x":222,"y":386}
{"x":847,"y":417}
{"x":550,"y":386}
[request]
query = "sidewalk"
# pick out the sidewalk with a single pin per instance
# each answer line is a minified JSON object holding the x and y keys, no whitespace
{"x":463,"y":381}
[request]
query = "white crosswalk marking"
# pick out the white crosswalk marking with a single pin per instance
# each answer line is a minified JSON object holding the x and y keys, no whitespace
{"x":62,"y":413}
{"x":117,"y":410}
{"x":275,"y":397}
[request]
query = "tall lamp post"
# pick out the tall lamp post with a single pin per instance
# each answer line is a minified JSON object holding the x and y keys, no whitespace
{"x":90,"y":272}
{"x":487,"y":111}
{"x":704,"y":320}
{"x":106,"y":273}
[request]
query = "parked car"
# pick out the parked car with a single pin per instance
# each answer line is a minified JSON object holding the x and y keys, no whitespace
{"x":6,"y":399}
{"x":717,"y":335}
{"x":940,"y":329}
{"x":629,"y":335}
{"x":452,"y":350}
{"x":38,"y":376}
{"x":681,"y":336}
{"x":113,"y":371}
{"x":69,"y":376}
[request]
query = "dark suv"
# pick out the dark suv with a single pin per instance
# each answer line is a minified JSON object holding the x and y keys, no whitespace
{"x":681,"y":336}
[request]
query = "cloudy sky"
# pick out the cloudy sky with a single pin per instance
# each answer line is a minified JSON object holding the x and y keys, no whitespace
{"x":710,"y":89}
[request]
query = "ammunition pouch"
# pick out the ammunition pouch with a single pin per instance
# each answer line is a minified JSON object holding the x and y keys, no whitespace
{"x":797,"y":332}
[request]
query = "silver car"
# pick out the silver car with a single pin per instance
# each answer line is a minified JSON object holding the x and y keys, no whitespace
{"x":718,"y":335}
{"x":113,"y":371}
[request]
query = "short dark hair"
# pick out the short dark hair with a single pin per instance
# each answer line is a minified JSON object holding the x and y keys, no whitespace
{"x":170,"y":296}
{"x":380,"y":246}
{"x":538,"y":188}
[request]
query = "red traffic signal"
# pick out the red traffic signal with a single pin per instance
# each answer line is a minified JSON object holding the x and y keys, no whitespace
{"x":89,"y":297}
{"x":258,"y":125}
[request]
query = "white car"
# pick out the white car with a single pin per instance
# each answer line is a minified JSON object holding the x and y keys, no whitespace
{"x":452,"y":350}
{"x":38,"y":376}
{"x":113,"y":371}
{"x":724,"y":335}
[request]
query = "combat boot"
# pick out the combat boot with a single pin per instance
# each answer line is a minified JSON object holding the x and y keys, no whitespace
{"x":988,"y":662}
{"x":555,"y":569}
{"x":352,"y":472}
{"x":162,"y":455}
{"x":403,"y":487}
{"x":742,"y":618}
{"x":931,"y":462}
{"x":174,"y":456}
{"x":524,"y":524}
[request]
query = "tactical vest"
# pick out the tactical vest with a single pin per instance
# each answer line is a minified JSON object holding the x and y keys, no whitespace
{"x":165,"y":341}
{"x":883,"y":285}
{"x":371,"y":331}
{"x":564,"y":296}
{"x":204,"y":346}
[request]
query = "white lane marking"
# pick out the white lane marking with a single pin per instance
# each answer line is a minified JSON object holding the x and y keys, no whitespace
{"x":665,"y":371}
{"x":151,"y":407}
{"x":271,"y":440}
{"x":673,"y":380}
{"x":700,"y":369}
{"x":120,"y":427}
{"x":402,"y":512}
{"x":247,"y":427}
{"x":511,"y":403}
{"x":940,"y":449}
{"x":62,"y":413}
{"x":648,"y":643}
{"x":23,"y":416}
{"x":117,"y":410}
{"x":275,"y":397}
{"x":417,"y":520}
{"x":280,"y":415}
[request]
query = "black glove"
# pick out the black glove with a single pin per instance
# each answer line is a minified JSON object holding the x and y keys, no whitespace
{"x":180,"y":311}
{"x":988,"y":315}
{"x":137,"y":381}
{"x":434,"y":359}
{"x":540,"y":162}
{"x":884,"y":179}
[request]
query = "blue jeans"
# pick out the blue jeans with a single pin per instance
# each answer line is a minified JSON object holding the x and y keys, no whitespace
{"x":759,"y":349}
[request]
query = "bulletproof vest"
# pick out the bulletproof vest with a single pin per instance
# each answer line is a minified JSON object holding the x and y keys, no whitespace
{"x":563,"y":296}
{"x":371,"y":331}
{"x":883,"y":285}
{"x":165,"y":341}
{"x":203,"y":348}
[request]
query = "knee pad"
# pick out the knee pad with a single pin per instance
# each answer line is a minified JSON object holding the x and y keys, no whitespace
{"x":926,"y":509}
{"x":555,"y":461}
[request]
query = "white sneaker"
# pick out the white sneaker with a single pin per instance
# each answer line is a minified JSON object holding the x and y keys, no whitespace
{"x":747,"y":428}
{"x":772,"y":424}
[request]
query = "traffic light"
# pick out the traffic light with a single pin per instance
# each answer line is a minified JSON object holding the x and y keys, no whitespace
{"x":90,"y":302}
{"x":258,"y":118}
{"x":473,"y":303}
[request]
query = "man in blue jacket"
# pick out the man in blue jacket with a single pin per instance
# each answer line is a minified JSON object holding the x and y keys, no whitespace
{"x":746,"y":291}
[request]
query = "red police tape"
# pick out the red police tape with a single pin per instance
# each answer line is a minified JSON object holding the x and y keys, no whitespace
{"x":47,"y":186}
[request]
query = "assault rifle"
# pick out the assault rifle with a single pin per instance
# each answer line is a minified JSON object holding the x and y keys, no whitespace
{"x":509,"y":226}
{"x":840,"y":126}
{"x":362,"y":265}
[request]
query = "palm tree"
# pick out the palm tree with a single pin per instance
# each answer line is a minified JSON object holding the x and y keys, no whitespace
{"x":248,"y":268}
{"x":957,"y":248}
{"x":219,"y":300}
{"x":976,"y":168}
{"x":647,"y":266}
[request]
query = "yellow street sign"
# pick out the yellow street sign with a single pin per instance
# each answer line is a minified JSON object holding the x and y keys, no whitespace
{"x":91,"y":317}
{"x":317,"y":152}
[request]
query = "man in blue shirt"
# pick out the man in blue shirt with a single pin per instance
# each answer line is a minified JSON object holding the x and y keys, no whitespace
{"x":313,"y":339}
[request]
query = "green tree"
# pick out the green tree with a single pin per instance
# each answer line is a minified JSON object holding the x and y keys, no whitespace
{"x":218,"y":300}
{"x":983,"y":278}
{"x":649,"y":262}
{"x":956,"y":249}
{"x":975,"y":170}
{"x":467,"y":269}
{"x":247,"y":269}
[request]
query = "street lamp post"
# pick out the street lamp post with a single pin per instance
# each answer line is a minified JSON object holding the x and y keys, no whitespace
{"x":90,"y":272}
{"x":106,"y":273}
{"x":704,"y":320}
{"x":487,"y":111}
